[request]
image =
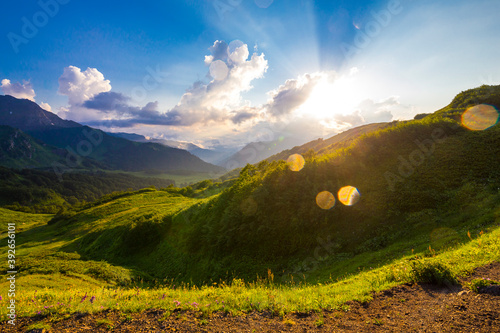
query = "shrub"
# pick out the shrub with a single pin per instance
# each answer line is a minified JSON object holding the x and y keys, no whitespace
{"x":426,"y":271}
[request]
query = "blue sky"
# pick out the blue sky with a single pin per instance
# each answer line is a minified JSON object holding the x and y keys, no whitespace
{"x":233,"y":71}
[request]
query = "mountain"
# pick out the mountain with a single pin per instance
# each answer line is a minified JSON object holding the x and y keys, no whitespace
{"x":19,"y":150}
{"x":39,"y":191}
{"x":321,"y":146}
{"x":255,"y":152}
{"x":29,"y":116}
{"x":214,"y":156}
{"x":426,"y":185}
{"x":129,"y":136}
{"x":169,"y":143}
{"x":83,"y":142}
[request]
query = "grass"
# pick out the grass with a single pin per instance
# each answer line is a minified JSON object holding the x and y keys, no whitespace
{"x":23,"y":221}
{"x":55,"y":280}
{"x":476,"y":284}
{"x":106,"y":323}
{"x":62,"y":294}
{"x":39,"y":326}
{"x":186,"y":178}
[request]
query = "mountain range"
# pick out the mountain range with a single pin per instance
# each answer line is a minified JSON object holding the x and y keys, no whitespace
{"x":38,"y":138}
{"x":363,"y":198}
{"x":215,"y":155}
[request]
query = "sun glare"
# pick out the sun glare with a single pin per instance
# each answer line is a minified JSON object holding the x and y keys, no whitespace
{"x":332,"y":98}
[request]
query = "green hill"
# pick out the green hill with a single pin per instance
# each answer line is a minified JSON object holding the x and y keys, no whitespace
{"x":428,"y":209}
{"x":321,"y":146}
{"x":41,"y":191}
{"x":19,"y":150}
{"x":417,"y":179}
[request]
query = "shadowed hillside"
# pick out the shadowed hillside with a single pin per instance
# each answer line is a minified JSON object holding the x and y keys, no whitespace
{"x":414,"y":179}
{"x":79,"y":144}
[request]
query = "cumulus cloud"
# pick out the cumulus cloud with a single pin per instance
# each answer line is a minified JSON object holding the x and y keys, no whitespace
{"x":231,"y":72}
{"x":381,"y":111}
{"x":81,"y":86}
{"x":292,"y":94}
{"x":46,"y":106}
{"x":22,"y":90}
{"x":369,"y":111}
{"x":243,"y":114}
{"x":107,"y":101}
{"x":349,"y":120}
{"x":18,"y":90}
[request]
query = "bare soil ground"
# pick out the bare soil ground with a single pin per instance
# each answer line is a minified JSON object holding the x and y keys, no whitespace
{"x":407,"y":308}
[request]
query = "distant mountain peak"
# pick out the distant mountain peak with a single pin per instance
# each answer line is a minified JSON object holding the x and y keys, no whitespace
{"x":109,"y":152}
{"x":29,"y":116}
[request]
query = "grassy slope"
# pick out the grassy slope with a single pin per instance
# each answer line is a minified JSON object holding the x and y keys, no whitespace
{"x":267,"y":218}
{"x":323,"y":146}
{"x":67,"y":292}
{"x":19,"y":150}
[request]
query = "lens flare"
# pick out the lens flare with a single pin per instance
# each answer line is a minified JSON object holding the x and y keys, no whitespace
{"x":219,"y":70}
{"x":325,"y":200}
{"x":296,"y":162}
{"x":480,"y":117}
{"x":349,"y":195}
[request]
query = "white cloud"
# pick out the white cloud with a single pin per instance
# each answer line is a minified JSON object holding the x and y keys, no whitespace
{"x":221,"y":98}
{"x":218,"y":102}
{"x":291,"y":95}
{"x":81,"y":86}
{"x":219,"y":70}
{"x":368,"y":111}
{"x":375,"y":112}
{"x":46,"y":106}
{"x":238,"y":52}
{"x":18,"y":90}
{"x":209,"y":59}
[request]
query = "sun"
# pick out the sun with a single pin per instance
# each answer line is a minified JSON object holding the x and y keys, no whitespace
{"x":332,"y":98}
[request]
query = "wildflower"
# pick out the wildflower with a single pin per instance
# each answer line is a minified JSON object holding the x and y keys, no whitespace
{"x":92,"y":299}
{"x":1,"y":298}
{"x":163,"y":297}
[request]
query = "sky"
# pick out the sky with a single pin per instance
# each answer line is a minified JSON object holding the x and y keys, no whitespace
{"x":229,"y":72}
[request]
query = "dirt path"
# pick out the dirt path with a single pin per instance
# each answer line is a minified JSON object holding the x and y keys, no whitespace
{"x":408,"y":308}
